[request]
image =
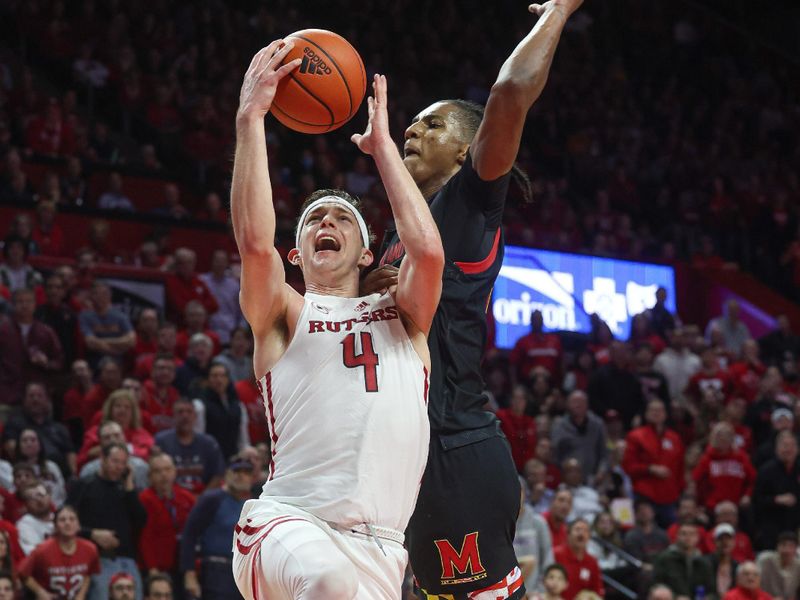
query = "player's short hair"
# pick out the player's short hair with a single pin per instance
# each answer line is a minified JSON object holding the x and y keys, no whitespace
{"x":347,"y":197}
{"x":471,"y":116}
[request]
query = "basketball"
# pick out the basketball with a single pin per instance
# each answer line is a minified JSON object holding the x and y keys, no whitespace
{"x":325,"y":91}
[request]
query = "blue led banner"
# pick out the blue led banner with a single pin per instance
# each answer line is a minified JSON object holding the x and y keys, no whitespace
{"x":567,"y":288}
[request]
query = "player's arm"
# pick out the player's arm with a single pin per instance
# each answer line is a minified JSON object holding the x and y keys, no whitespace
{"x":264,"y":292}
{"x":520,"y":82}
{"x":419,"y":284}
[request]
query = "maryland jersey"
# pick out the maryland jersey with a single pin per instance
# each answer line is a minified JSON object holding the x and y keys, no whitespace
{"x":347,"y":412}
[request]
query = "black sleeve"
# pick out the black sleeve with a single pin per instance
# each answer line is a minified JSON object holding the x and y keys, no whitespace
{"x":468,"y":211}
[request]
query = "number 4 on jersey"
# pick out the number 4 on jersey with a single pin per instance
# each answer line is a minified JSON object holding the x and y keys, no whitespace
{"x":367,"y":359}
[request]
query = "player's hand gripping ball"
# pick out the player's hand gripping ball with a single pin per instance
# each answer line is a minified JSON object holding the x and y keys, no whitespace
{"x":325,"y":91}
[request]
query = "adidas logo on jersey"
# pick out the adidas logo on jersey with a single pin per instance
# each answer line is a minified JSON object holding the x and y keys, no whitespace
{"x":313,"y":64}
{"x":361,"y":306}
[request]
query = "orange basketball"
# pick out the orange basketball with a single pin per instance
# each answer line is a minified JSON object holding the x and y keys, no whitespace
{"x":326,"y":90}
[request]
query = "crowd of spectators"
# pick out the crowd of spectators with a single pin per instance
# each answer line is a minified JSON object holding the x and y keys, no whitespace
{"x":130,"y":441}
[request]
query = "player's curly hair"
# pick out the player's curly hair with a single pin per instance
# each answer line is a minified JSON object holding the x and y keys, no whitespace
{"x":347,"y":197}
{"x":472,"y":115}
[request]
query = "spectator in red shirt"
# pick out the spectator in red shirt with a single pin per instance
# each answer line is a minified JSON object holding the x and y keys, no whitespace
{"x":159,"y":393}
{"x":195,"y":319}
{"x":537,"y":349}
{"x":727,"y":512}
{"x":582,"y":568}
{"x":724,"y":473}
{"x":690,"y":512}
{"x":734,"y":414}
{"x":166,"y":342}
{"x":520,"y":429}
{"x":544,"y":452}
{"x":146,"y":332}
{"x":62,"y":566}
{"x":47,"y":234}
{"x":167,"y":505}
{"x":748,"y":584}
{"x":654,"y":461}
{"x":746,"y":374}
{"x":556,"y":517}
{"x":710,"y":378}
{"x":184,"y":286}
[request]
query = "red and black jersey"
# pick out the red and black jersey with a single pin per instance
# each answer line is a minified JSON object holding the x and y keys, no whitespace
{"x":468,"y":212}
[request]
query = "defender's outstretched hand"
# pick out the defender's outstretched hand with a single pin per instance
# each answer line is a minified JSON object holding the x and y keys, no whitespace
{"x":262,"y":77}
{"x":377,"y":131}
{"x":569,"y":5}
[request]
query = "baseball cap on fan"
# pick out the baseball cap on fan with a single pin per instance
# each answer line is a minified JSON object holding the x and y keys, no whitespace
{"x":781,"y":413}
{"x":237,"y":463}
{"x":724,"y":529}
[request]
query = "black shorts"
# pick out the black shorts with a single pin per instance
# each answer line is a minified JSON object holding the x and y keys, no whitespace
{"x":460,"y":537}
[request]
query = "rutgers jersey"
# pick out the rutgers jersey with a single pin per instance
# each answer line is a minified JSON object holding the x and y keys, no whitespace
{"x":347,"y":412}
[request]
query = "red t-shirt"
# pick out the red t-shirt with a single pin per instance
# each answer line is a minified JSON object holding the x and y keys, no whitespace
{"x":719,"y":381}
{"x":520,"y":431}
{"x":537,"y":350}
{"x":180,"y":292}
{"x":60,"y":573}
{"x":746,"y":378}
{"x":160,"y":409}
{"x":582,"y":574}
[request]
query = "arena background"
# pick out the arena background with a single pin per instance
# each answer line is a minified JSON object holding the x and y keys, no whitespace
{"x":663,"y":152}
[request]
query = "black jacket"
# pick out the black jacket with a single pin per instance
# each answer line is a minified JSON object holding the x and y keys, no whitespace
{"x":104,"y":504}
{"x":772,"y":480}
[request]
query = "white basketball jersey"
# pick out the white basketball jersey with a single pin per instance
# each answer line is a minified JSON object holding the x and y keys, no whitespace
{"x":347,"y":412}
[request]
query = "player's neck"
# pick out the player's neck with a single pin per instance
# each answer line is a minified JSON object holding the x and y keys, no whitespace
{"x":347,"y":289}
{"x":435,"y":183}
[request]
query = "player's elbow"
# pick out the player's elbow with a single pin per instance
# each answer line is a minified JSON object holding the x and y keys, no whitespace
{"x":515,"y":95}
{"x":252,"y":245}
{"x":431,"y":254}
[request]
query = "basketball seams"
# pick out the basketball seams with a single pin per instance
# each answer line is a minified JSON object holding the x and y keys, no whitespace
{"x":314,"y":96}
{"x":324,"y":128}
{"x":333,"y":62}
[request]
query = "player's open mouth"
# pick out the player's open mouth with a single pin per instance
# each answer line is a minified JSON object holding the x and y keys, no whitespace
{"x":409,"y":151}
{"x":327,"y":242}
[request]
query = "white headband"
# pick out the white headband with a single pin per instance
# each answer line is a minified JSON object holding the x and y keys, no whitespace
{"x":341,"y":202}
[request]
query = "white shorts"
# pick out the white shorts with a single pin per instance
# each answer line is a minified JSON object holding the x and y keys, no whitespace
{"x":281,"y":552}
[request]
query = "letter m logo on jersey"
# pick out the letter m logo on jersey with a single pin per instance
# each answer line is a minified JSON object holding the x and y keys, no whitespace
{"x":461,"y":566}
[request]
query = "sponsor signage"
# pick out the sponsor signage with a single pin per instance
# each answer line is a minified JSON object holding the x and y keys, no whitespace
{"x":568,"y":288}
